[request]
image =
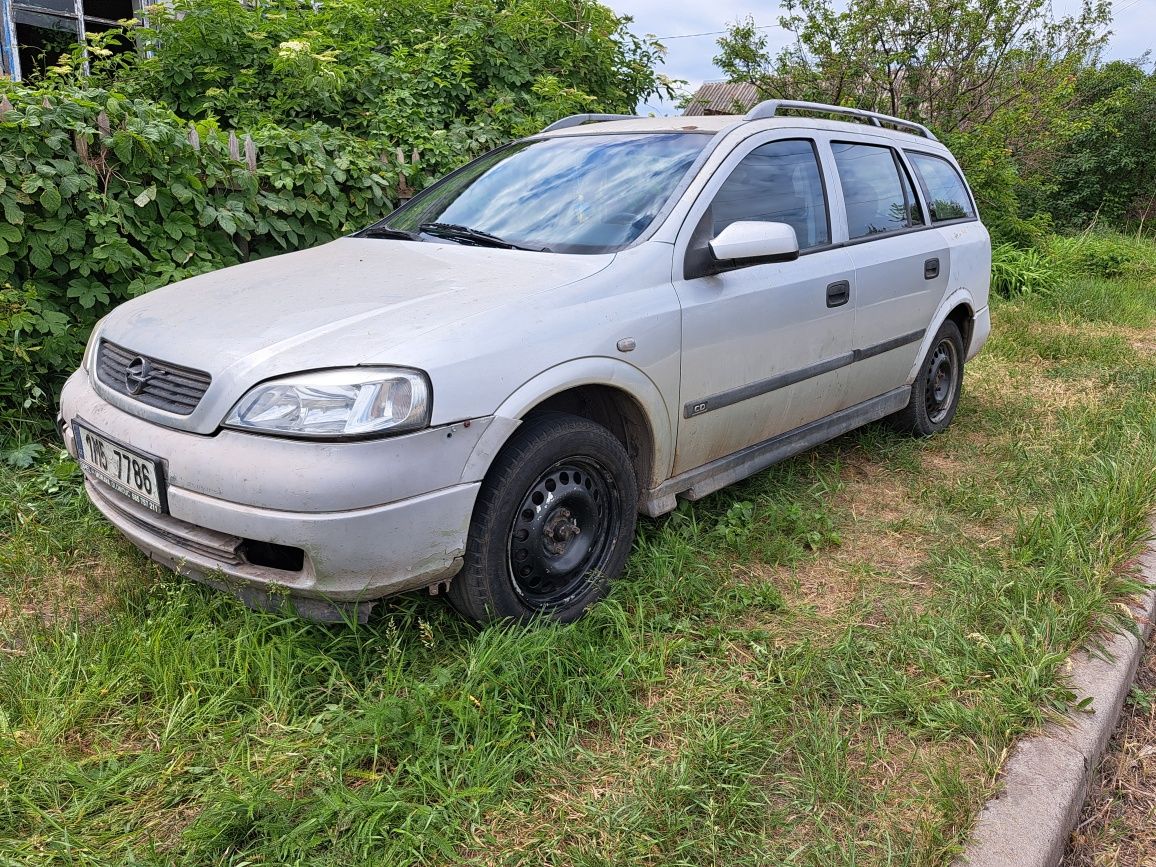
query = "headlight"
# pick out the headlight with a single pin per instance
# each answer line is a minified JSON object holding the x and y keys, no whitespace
{"x":90,"y":346}
{"x":356,"y":402}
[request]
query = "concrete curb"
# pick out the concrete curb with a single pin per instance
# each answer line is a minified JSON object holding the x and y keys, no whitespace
{"x":1045,"y":780}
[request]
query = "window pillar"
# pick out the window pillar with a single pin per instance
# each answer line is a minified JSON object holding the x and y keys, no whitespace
{"x":34,"y":33}
{"x":9,"y":58}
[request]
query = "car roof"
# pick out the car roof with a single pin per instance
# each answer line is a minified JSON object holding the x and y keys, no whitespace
{"x":713,"y":124}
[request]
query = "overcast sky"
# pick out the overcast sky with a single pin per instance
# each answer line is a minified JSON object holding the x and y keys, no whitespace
{"x":690,"y":56}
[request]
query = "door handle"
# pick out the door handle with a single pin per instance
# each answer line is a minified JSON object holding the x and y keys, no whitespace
{"x":838,"y":293}
{"x":931,"y":269}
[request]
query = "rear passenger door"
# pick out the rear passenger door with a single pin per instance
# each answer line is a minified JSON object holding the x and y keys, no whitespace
{"x":901,"y":264}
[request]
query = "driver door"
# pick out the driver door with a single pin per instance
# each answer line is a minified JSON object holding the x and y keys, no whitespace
{"x":764,"y":346}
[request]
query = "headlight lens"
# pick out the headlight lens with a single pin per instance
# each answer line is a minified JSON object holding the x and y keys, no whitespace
{"x":336,"y":403}
{"x":90,"y":346}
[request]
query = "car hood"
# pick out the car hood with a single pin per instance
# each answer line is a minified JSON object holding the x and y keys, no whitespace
{"x":343,"y":303}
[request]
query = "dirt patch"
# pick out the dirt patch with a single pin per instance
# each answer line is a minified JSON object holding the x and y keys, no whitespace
{"x":1142,"y":340}
{"x":84,"y":590}
{"x":1118,"y":823}
{"x":879,"y":541}
{"x":1018,"y":382}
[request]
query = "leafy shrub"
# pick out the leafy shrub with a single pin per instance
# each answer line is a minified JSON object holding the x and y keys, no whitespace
{"x":108,"y":192}
{"x":1107,"y":169}
{"x":106,"y":197}
{"x":1018,"y":271}
{"x":398,"y":69}
{"x":986,"y":157}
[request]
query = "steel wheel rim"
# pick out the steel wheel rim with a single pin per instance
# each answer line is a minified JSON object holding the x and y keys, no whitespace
{"x":941,"y":381}
{"x":561,"y":532}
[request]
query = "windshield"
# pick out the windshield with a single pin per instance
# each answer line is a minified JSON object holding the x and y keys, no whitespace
{"x":573,"y":194}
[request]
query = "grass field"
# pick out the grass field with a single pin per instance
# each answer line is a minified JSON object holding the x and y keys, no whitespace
{"x":822,"y":665}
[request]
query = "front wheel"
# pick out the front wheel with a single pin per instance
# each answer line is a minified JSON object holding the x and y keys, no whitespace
{"x":553,"y":524}
{"x":935,"y":392}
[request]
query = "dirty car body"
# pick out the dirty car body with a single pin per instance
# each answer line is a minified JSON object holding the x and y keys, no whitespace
{"x":684,"y":305}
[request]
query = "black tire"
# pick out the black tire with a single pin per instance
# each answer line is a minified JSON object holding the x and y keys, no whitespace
{"x":559,"y":477}
{"x":935,"y":392}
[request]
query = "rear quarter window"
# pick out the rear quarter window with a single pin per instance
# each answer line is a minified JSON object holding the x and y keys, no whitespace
{"x":947,"y":197}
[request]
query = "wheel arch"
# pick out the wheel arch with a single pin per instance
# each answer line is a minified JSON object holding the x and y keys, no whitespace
{"x":960,"y":308}
{"x":616,"y":395}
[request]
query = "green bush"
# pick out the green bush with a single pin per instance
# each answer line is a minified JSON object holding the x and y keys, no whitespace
{"x":399,"y":69}
{"x":1106,"y":172}
{"x":107,"y":191}
{"x":105,"y":197}
{"x":987,"y":160}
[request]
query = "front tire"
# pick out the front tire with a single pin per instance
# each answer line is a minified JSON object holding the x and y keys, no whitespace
{"x":936,"y":390}
{"x":553,"y":524}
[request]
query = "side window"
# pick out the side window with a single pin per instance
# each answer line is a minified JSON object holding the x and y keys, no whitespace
{"x":778,"y":182}
{"x":876,"y":190}
{"x":947,"y":197}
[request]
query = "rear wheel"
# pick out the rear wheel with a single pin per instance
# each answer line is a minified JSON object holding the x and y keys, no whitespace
{"x":935,"y":392}
{"x":553,"y":524}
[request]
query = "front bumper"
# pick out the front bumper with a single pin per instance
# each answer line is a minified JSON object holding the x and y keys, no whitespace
{"x":352,"y":508}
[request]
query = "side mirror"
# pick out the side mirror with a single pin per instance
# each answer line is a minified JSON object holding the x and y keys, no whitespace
{"x":745,"y":240}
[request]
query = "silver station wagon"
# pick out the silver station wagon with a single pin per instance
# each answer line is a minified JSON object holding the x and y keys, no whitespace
{"x":478,"y":394}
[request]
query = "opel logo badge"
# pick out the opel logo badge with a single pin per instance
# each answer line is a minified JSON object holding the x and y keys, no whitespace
{"x":137,"y":374}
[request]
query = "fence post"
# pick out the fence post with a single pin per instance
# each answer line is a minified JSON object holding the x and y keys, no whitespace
{"x":250,"y":153}
{"x":404,"y":191}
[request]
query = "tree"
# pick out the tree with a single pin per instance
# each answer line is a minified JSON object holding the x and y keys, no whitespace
{"x":950,"y":63}
{"x":994,"y":78}
{"x":1107,"y":169}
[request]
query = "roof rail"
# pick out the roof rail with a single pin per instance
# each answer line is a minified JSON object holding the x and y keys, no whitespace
{"x":579,"y":119}
{"x":770,"y":108}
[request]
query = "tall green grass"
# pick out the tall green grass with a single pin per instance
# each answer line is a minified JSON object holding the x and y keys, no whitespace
{"x":714,"y":710}
{"x":1019,"y":270}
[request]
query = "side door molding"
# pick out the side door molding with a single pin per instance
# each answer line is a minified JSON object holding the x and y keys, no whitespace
{"x":790,"y":377}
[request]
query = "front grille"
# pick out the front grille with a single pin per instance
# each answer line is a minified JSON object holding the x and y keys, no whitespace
{"x":164,"y":385}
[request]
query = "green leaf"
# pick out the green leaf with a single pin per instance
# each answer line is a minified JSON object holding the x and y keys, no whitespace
{"x":50,"y":199}
{"x":22,"y":457}
{"x":40,"y":256}
{"x":12,"y":213}
{"x":146,"y":196}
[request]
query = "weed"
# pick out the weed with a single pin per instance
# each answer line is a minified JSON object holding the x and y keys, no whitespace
{"x":822,"y":664}
{"x":1143,"y":700}
{"x":1017,"y":271}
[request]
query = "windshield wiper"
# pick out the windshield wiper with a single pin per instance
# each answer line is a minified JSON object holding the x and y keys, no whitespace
{"x":383,"y":231}
{"x":454,"y":232}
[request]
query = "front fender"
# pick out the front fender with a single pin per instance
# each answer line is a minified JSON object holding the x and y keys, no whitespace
{"x":594,"y":370}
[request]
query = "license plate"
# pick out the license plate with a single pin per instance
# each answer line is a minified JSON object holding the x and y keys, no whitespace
{"x":138,"y":476}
